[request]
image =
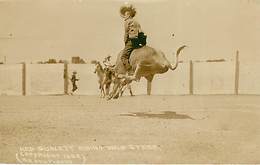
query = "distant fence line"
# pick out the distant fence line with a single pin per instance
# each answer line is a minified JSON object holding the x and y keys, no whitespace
{"x":192,"y":77}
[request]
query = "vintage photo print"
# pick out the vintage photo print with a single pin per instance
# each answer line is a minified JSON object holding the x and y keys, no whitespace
{"x":129,"y":81}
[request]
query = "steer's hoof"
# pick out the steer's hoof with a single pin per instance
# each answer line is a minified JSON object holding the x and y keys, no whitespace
{"x":109,"y":98}
{"x":116,"y":96}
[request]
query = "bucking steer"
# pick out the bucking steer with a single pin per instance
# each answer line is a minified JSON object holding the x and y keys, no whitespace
{"x":146,"y":62}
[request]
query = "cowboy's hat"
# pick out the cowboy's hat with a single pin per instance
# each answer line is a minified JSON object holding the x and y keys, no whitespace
{"x":127,"y":7}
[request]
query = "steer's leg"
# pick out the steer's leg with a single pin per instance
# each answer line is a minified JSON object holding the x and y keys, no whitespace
{"x":115,"y":89}
{"x":130,"y":90}
{"x":149,"y":84}
{"x":135,"y":77}
{"x":107,"y":87}
{"x":102,"y":92}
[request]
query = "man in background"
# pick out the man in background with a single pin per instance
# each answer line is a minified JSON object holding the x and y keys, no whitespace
{"x":74,"y":79}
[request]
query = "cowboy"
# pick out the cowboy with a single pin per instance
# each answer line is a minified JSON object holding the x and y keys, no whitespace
{"x":107,"y":61}
{"x":108,"y":73}
{"x":108,"y":65}
{"x":134,"y":37}
{"x":73,"y":80}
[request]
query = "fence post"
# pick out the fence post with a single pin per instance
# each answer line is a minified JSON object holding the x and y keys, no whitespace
{"x":191,"y":78}
{"x":23,"y":79}
{"x":237,"y":73}
{"x":66,"y":78}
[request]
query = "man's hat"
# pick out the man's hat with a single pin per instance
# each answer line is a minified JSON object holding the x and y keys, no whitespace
{"x":74,"y":72}
{"x":129,"y":8}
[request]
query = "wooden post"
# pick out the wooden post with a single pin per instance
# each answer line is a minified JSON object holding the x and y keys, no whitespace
{"x":23,"y":79}
{"x":191,"y":78}
{"x":66,"y":78}
{"x":237,"y":73}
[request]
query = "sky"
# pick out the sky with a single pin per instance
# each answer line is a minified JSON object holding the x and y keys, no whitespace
{"x":36,"y":30}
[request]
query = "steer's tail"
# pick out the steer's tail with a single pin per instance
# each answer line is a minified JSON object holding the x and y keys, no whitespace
{"x":176,"y":61}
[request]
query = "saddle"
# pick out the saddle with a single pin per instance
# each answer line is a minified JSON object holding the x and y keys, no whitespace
{"x":140,"y":41}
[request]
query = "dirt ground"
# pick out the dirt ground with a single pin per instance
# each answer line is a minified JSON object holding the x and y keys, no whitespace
{"x":140,"y":129}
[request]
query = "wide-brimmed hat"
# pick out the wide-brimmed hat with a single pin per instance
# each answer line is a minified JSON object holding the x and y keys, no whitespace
{"x":74,"y":72}
{"x":128,"y":7}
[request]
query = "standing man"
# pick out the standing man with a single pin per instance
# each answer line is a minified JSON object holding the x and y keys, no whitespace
{"x":73,"y":80}
{"x":133,"y":34}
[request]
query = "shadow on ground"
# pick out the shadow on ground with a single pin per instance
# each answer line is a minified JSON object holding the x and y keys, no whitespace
{"x":162,"y":115}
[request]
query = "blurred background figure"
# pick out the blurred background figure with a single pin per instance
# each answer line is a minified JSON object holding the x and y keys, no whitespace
{"x":74,"y":79}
